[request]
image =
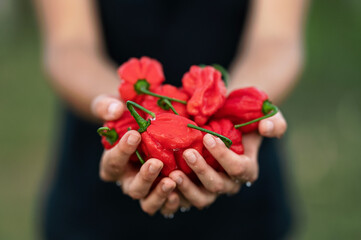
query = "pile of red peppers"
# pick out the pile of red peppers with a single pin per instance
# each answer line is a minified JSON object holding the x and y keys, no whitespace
{"x":171,"y":120}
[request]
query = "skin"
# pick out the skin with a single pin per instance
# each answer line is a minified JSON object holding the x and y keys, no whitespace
{"x":270,"y":58}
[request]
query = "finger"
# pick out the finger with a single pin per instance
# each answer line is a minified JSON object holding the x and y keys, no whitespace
{"x":274,"y":126}
{"x":185,"y":205}
{"x":155,"y":200}
{"x":171,"y":205}
{"x":241,"y":167}
{"x":139,"y":186}
{"x":231,"y":186}
{"x":107,"y":108}
{"x":113,"y":160}
{"x":210,"y":179}
{"x":197,"y":196}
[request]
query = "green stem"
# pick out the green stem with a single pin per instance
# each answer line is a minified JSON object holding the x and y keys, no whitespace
{"x":227,"y":141}
{"x":166,"y":105}
{"x":146,"y":91}
{"x":268,"y":109}
{"x":143,"y":124}
{"x":139,"y":157}
{"x":110,"y":135}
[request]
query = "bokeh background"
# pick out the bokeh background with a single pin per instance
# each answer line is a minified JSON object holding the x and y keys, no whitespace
{"x":323,"y":140}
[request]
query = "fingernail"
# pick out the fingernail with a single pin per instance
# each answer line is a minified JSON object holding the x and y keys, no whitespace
{"x":168,"y":216}
{"x":153,"y":169}
{"x":190,"y":157}
{"x":209,"y":141}
{"x":179,"y":180}
{"x":133,"y":139}
{"x":185,"y":209}
{"x":113,"y":108}
{"x":166,"y":188}
{"x":269,"y":126}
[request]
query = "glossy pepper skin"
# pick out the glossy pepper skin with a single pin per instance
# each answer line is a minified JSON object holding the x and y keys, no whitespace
{"x":244,"y":105}
{"x":224,"y":127}
{"x":152,"y":103}
{"x":167,"y":137}
{"x":134,"y":70}
{"x":206,"y":90}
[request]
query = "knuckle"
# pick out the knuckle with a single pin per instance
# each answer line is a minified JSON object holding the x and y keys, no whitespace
{"x":200,"y":169}
{"x":104,"y":176}
{"x":217,"y":186}
{"x":124,"y":150}
{"x":114,"y":165}
{"x":136,"y":195}
{"x":235,"y":189}
{"x":254,"y":177}
{"x":147,"y":209}
{"x":147,"y":178}
{"x":221,"y":153}
{"x":237,"y":170}
{"x":200,"y":203}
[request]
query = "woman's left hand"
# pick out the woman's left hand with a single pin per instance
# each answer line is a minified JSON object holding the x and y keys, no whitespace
{"x":239,"y":168}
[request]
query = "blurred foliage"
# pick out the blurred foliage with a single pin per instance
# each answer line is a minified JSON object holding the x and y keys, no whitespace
{"x":324,"y":116}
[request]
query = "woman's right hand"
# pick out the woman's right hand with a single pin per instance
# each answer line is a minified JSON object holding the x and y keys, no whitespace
{"x":136,"y":183}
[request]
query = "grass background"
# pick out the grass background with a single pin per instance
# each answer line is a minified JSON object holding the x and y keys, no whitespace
{"x":324,"y":115}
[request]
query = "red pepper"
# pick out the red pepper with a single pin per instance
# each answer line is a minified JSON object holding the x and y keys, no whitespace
{"x":139,"y":77}
{"x":166,"y":136}
{"x":207,"y":91}
{"x":113,"y":131}
{"x":135,"y":71}
{"x":224,"y":127}
{"x":156,"y":105}
{"x":247,"y":106}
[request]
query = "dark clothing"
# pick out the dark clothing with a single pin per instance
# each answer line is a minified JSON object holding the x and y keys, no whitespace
{"x":178,"y":33}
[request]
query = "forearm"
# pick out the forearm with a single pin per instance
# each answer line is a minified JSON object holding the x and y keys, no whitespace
{"x":73,"y":52}
{"x":270,"y":66}
{"x":272,"y":54}
{"x":78,"y":75}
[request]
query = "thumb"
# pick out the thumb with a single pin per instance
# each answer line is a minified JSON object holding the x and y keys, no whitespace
{"x":107,"y":108}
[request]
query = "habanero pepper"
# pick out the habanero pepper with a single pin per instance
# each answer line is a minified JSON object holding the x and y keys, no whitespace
{"x":157,"y":106}
{"x":166,"y":136}
{"x":139,"y":77}
{"x":246,"y":107}
{"x":206,"y":90}
{"x":113,"y":131}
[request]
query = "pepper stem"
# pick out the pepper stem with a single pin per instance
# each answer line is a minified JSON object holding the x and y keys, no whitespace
{"x":143,"y":124}
{"x":145,"y":91}
{"x":228,"y":142}
{"x":166,"y":105}
{"x":139,"y":157}
{"x":142,"y":87}
{"x":267,"y":108}
{"x":110,"y":134}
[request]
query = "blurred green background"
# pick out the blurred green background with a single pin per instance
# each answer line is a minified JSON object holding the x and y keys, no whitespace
{"x":324,"y":115}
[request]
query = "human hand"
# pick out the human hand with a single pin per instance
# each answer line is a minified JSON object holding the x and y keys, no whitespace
{"x":137,"y":183}
{"x":239,"y":168}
